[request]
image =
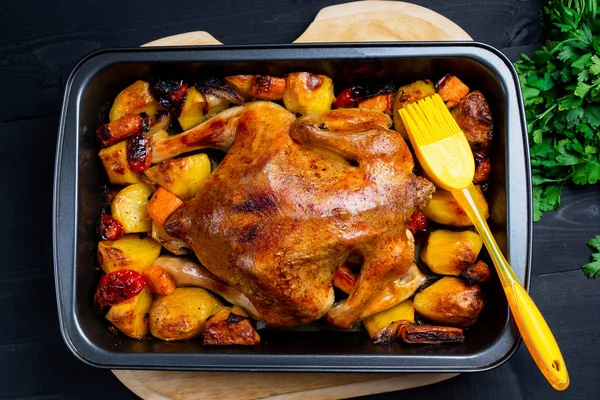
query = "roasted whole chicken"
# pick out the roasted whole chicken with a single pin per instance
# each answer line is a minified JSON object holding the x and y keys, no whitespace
{"x":311,"y":214}
{"x":281,"y":213}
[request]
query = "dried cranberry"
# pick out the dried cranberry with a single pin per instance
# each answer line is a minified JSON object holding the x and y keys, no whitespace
{"x":109,"y":228}
{"x":120,"y":285}
{"x":139,"y":153}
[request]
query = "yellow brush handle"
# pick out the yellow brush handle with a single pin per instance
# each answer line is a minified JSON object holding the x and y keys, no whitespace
{"x":535,"y":331}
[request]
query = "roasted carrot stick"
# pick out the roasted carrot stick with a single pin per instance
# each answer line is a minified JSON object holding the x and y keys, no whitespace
{"x":162,"y":204}
{"x":158,"y":281}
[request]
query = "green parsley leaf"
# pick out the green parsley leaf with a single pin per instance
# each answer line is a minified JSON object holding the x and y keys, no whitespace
{"x":592,"y":269}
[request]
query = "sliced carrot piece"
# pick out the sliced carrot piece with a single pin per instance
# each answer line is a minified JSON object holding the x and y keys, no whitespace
{"x":162,"y":204}
{"x":158,"y":281}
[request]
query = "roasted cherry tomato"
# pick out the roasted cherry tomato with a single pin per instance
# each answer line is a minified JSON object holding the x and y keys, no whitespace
{"x":120,"y":285}
{"x":139,"y":153}
{"x":347,"y":98}
{"x":109,"y":228}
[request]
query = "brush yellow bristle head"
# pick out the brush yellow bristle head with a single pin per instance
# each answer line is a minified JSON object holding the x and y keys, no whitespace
{"x":439,"y":143}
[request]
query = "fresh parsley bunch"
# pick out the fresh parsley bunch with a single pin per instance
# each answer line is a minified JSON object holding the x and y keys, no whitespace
{"x":561,"y":91}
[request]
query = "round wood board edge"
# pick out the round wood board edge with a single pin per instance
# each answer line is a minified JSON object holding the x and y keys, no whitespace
{"x":359,"y":21}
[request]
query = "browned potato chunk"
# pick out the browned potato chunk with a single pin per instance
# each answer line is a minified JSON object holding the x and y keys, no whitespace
{"x":241,"y":84}
{"x":307,"y":93}
{"x":267,"y":87}
{"x":382,"y":102}
{"x":449,"y":253}
{"x":114,"y":160}
{"x":129,"y":208}
{"x":476,"y":273}
{"x":170,"y":243}
{"x":230,"y":326}
{"x":451,"y":90}
{"x":444,"y":209}
{"x":473,"y":116}
{"x":182,"y":176}
{"x":379,"y":326}
{"x":133,"y":100}
{"x":409,"y":94}
{"x":182,"y":314}
{"x":131,"y":316}
{"x":129,"y":252}
{"x":192,"y":109}
{"x":450,"y":301}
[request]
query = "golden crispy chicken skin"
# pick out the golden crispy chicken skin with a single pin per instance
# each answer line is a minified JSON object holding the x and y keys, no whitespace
{"x":292,"y":199}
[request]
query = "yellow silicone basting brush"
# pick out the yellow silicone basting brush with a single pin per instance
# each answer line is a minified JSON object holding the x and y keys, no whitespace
{"x":445,"y":155}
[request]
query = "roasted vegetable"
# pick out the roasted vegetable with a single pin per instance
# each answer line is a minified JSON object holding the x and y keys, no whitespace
{"x":476,"y":273}
{"x":122,"y":128}
{"x":216,"y":87}
{"x":131,"y":316}
{"x":162,"y":204}
{"x":347,"y":98}
{"x":473,"y":116}
{"x":444,"y":209}
{"x":168,"y":92}
{"x":139,"y":153}
{"x":406,"y":95}
{"x":157,"y":281}
{"x":381,"y":102}
{"x":109,"y":228}
{"x":450,"y":301}
{"x":118,"y":286}
{"x":449,"y":252}
{"x":182,"y":176}
{"x":192,"y":109}
{"x":230,"y":326}
{"x":133,"y":100}
{"x":129,"y":208}
{"x":482,"y":167}
{"x":430,"y":334}
{"x":182,"y":314}
{"x":451,"y":90}
{"x":241,"y":84}
{"x":267,"y":87}
{"x":116,"y":165}
{"x":307,"y":93}
{"x":215,"y":105}
{"x":129,"y":252}
{"x":378,"y":325}
{"x":167,"y":241}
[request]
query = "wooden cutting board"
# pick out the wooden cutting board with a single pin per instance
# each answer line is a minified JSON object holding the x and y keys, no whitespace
{"x":361,"y":21}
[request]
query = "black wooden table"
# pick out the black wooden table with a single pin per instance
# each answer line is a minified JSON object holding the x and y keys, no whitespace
{"x":40,"y":42}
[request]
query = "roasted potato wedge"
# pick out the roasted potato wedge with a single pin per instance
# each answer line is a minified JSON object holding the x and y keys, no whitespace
{"x":170,"y":243}
{"x":129,"y":252}
{"x":444,"y":209}
{"x":241,"y":84}
{"x":450,"y":301}
{"x":182,"y":314}
{"x":131,"y":316}
{"x":451,"y":90}
{"x":129,"y":208}
{"x":406,"y":95}
{"x":134,"y":99}
{"x":267,"y":87}
{"x":230,"y":326}
{"x":307,"y":93}
{"x":114,"y":160}
{"x":378,"y":325}
{"x":192,"y":109}
{"x":181,"y":176}
{"x":449,"y":253}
